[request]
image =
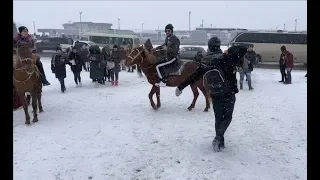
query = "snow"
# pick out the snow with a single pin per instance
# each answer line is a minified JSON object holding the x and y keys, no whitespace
{"x":107,"y":132}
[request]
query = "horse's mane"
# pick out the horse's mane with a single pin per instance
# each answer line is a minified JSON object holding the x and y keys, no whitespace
{"x":149,"y":56}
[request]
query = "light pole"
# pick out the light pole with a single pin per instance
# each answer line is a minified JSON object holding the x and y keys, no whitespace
{"x":295,"y":25}
{"x":34,"y":27}
{"x":80,"y":13}
{"x":189,"y":20}
{"x":118,"y":24}
{"x":141,"y":29}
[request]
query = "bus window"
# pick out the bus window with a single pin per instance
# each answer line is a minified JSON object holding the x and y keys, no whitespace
{"x":120,"y":41}
{"x":276,"y":38}
{"x":136,"y":41}
{"x":114,"y":41}
{"x":128,"y":41}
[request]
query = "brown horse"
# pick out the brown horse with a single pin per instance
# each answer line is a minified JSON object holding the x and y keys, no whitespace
{"x":26,"y":78}
{"x":147,"y":63}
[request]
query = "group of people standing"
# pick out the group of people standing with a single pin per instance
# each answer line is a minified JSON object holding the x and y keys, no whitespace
{"x":102,"y":64}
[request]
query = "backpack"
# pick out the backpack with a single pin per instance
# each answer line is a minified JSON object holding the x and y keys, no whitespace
{"x":215,"y":82}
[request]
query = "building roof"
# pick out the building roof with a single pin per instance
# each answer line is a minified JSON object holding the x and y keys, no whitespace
{"x":90,"y":23}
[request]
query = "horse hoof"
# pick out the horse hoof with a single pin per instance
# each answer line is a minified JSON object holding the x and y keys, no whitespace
{"x":206,"y":110}
{"x":41,"y":111}
{"x":154,"y":107}
{"x":27,"y":122}
{"x":189,"y":108}
{"x":159,"y":105}
{"x":35,"y":120}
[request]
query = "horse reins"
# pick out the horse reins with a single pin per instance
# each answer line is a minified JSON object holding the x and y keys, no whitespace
{"x":23,"y":68}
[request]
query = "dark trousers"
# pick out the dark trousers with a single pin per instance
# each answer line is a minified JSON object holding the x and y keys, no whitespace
{"x":114,"y":75}
{"x":109,"y":74}
{"x":223,"y":110}
{"x":283,"y":72}
{"x":77,"y":77}
{"x":288,"y":75}
{"x":196,"y":76}
{"x":61,"y":80}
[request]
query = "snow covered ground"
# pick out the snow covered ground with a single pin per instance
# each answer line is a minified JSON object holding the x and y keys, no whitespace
{"x":112,"y":133}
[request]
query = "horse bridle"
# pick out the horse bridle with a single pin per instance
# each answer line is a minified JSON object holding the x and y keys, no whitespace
{"x":139,"y":54}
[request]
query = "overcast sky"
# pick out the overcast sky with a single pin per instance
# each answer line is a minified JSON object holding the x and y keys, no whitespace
{"x":153,"y":14}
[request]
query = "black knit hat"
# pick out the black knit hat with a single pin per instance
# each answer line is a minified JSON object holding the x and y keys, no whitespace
{"x":22,"y":28}
{"x":169,"y":26}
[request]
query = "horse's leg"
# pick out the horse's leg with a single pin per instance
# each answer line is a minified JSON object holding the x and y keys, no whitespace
{"x":25,"y":107}
{"x":204,"y":92}
{"x":158,"y":97}
{"x":152,"y":91}
{"x":38,"y":95}
{"x":195,"y":92}
{"x":34,"y":106}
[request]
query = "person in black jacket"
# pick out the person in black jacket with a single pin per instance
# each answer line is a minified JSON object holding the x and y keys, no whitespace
{"x":172,"y":46}
{"x":115,"y":60}
{"x":76,"y":66}
{"x":58,"y":67}
{"x":222,"y":103}
{"x":282,"y":66}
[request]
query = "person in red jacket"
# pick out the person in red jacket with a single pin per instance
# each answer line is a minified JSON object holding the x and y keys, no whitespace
{"x":288,"y":61}
{"x":24,"y":35}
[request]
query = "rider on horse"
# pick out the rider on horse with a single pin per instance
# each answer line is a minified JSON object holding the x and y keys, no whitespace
{"x":171,"y":45}
{"x":24,"y":36}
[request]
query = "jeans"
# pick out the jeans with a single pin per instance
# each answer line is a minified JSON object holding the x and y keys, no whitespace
{"x":248,"y":76}
{"x":77,"y":77}
{"x":288,"y":76}
{"x":114,"y":75}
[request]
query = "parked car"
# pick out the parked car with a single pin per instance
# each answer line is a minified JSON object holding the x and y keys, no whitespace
{"x":190,"y":52}
{"x":88,"y":44}
{"x":51,"y":43}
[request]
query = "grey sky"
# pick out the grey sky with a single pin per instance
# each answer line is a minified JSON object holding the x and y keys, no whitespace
{"x":222,"y":14}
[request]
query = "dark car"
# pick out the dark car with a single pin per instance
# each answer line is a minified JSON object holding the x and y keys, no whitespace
{"x":190,"y":52}
{"x":52,"y":43}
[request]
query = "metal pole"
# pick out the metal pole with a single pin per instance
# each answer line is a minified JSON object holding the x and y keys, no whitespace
{"x":189,"y":20}
{"x":295,"y":25}
{"x":141,"y":29}
{"x":119,"y":24}
{"x":202,"y":23}
{"x":80,"y":24}
{"x":34,"y":27}
{"x":284,"y":26}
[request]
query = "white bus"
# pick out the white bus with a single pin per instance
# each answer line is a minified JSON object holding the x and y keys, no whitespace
{"x":102,"y":39}
{"x":267,"y":45}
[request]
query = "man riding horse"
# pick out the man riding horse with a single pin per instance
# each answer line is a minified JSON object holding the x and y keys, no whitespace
{"x":24,"y":36}
{"x":171,"y":45}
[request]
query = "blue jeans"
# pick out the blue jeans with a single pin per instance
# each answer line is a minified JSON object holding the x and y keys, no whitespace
{"x":248,"y":76}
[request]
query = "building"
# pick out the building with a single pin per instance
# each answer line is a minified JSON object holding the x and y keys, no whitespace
{"x":76,"y":28}
{"x":87,"y":27}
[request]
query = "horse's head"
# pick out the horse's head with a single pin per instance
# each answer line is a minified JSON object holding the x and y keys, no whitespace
{"x":24,"y":54}
{"x":138,"y":56}
{"x":236,"y":53}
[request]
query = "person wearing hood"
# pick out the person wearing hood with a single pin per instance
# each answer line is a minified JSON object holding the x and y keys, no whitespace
{"x":58,"y":67}
{"x":223,"y":81}
{"x":172,"y":46}
{"x":115,"y":68}
{"x":198,"y":57}
{"x":24,"y":35}
{"x":76,"y":66}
